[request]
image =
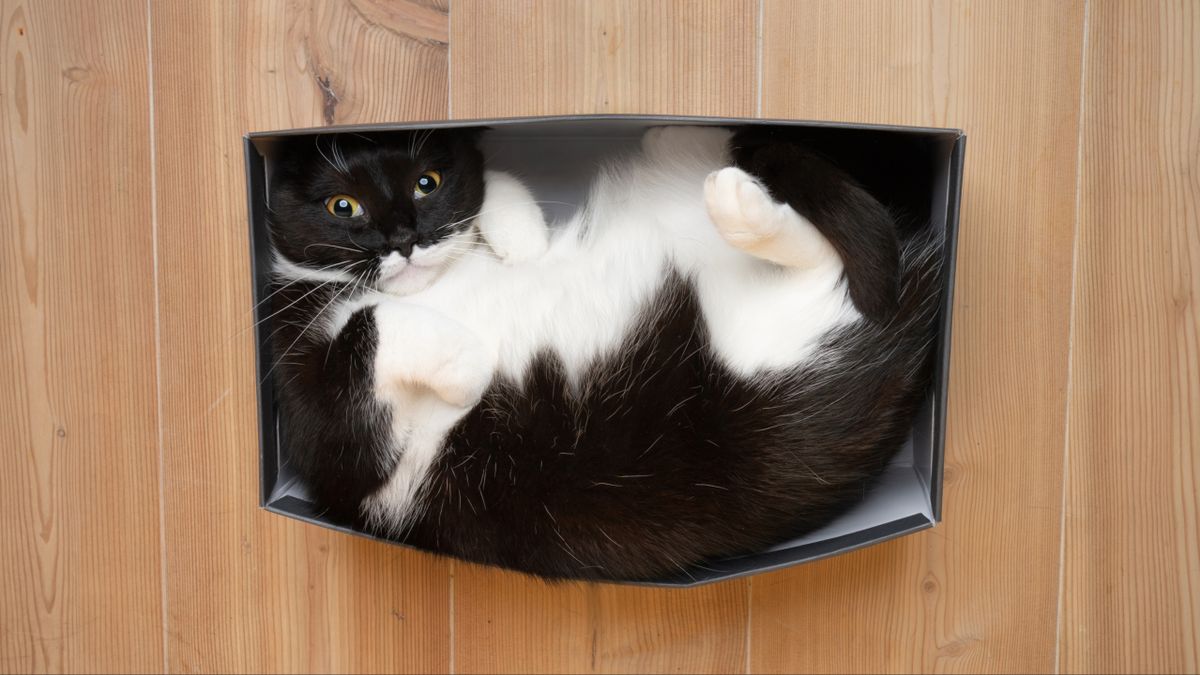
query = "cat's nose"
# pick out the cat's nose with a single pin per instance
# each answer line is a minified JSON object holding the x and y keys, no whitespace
{"x":402,"y":242}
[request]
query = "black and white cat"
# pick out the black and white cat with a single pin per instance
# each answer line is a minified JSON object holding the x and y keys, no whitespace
{"x":721,"y":350}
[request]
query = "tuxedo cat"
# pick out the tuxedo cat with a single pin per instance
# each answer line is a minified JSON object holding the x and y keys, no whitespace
{"x":722,"y":349}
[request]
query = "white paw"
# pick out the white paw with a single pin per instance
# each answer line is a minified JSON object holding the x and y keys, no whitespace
{"x":419,"y":348}
{"x":511,"y":221}
{"x":743,"y":212}
{"x":458,"y":372}
{"x":461,"y":373}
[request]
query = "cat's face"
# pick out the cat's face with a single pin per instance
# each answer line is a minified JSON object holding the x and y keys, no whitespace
{"x":391,"y":211}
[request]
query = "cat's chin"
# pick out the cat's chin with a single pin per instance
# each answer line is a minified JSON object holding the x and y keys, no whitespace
{"x":411,"y":279}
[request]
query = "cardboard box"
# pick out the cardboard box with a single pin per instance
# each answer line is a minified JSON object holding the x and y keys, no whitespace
{"x":917,"y":169}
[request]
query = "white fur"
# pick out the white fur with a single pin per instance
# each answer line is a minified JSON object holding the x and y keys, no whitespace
{"x":430,"y":379}
{"x":510,"y":221}
{"x":286,"y":269}
{"x":768,"y":282}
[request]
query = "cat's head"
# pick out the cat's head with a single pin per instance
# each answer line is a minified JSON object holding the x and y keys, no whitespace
{"x":389,"y":210}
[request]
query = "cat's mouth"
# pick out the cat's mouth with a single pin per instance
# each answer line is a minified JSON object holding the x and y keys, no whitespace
{"x":401,"y":275}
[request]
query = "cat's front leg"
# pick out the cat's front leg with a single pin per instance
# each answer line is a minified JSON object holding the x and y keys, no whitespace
{"x":422,"y":348}
{"x":749,"y":219}
{"x":510,"y":220}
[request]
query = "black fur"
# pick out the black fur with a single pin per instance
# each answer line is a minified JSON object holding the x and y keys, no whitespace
{"x":663,"y":459}
{"x":331,"y":424}
{"x":381,"y":171}
{"x":336,"y":433}
{"x":859,"y":227}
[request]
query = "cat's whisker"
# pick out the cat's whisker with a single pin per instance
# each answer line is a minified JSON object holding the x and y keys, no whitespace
{"x":286,"y":352}
{"x":335,"y":246}
{"x":292,"y":303}
{"x":318,"y":287}
{"x":283,"y":324}
{"x":469,"y":251}
{"x":337,"y":155}
{"x":317,"y":143}
{"x":424,"y":138}
{"x":468,"y":219}
{"x":360,"y":246}
{"x":353,"y":293}
{"x":510,"y":205}
{"x":285,"y":287}
{"x":475,"y":256}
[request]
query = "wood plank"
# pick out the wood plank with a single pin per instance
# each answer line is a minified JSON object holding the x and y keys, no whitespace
{"x":977,"y":593}
{"x":510,"y":623}
{"x":1131,"y":590}
{"x":79,"y":491}
{"x":248,"y":590}
{"x":610,"y":56}
{"x":664,"y":57}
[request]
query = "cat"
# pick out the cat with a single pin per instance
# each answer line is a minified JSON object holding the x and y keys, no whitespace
{"x":721,"y":350}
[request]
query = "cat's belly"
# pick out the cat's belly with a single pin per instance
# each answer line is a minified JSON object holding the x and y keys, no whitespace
{"x":584,"y":300}
{"x":578,"y":303}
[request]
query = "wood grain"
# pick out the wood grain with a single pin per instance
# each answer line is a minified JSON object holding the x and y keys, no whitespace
{"x":608,"y":56}
{"x":979,"y":592}
{"x":248,"y":590}
{"x":79,"y":517}
{"x":509,"y":623}
{"x":1131,"y":576}
{"x":82,"y":98}
{"x":595,"y":57}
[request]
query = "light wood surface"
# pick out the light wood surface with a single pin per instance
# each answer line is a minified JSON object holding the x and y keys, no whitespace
{"x":979,"y":592}
{"x":123,"y":246}
{"x":249,"y":590}
{"x":79,"y":504}
{"x":618,"y":57}
{"x":1131,"y":569}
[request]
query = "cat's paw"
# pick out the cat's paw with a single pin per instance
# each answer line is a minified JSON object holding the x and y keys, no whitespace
{"x":461,"y":372}
{"x":457,"y":372}
{"x":419,"y":348}
{"x":740,"y":207}
{"x":510,"y":221}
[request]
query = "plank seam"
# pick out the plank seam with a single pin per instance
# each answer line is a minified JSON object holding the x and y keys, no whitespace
{"x":162,"y":508}
{"x":1066,"y":463}
{"x":749,"y":615}
{"x":758,"y":112}
{"x":450,"y":115}
{"x":758,"y":42}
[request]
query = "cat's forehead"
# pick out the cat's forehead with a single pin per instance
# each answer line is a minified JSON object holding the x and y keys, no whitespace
{"x":339,"y":163}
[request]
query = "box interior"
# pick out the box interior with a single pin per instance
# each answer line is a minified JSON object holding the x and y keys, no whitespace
{"x":914,"y":171}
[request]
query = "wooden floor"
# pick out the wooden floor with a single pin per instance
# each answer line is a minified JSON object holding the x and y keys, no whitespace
{"x":130,"y":537}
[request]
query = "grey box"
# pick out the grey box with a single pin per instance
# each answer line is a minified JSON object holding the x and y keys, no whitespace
{"x":919,"y":169}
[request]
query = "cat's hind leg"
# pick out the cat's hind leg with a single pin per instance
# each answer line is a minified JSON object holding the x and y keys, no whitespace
{"x":749,"y":219}
{"x":510,"y":220}
{"x":857,"y":226}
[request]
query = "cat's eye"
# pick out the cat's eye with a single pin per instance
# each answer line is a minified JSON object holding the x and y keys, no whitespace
{"x":343,"y":206}
{"x":428,"y":182}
